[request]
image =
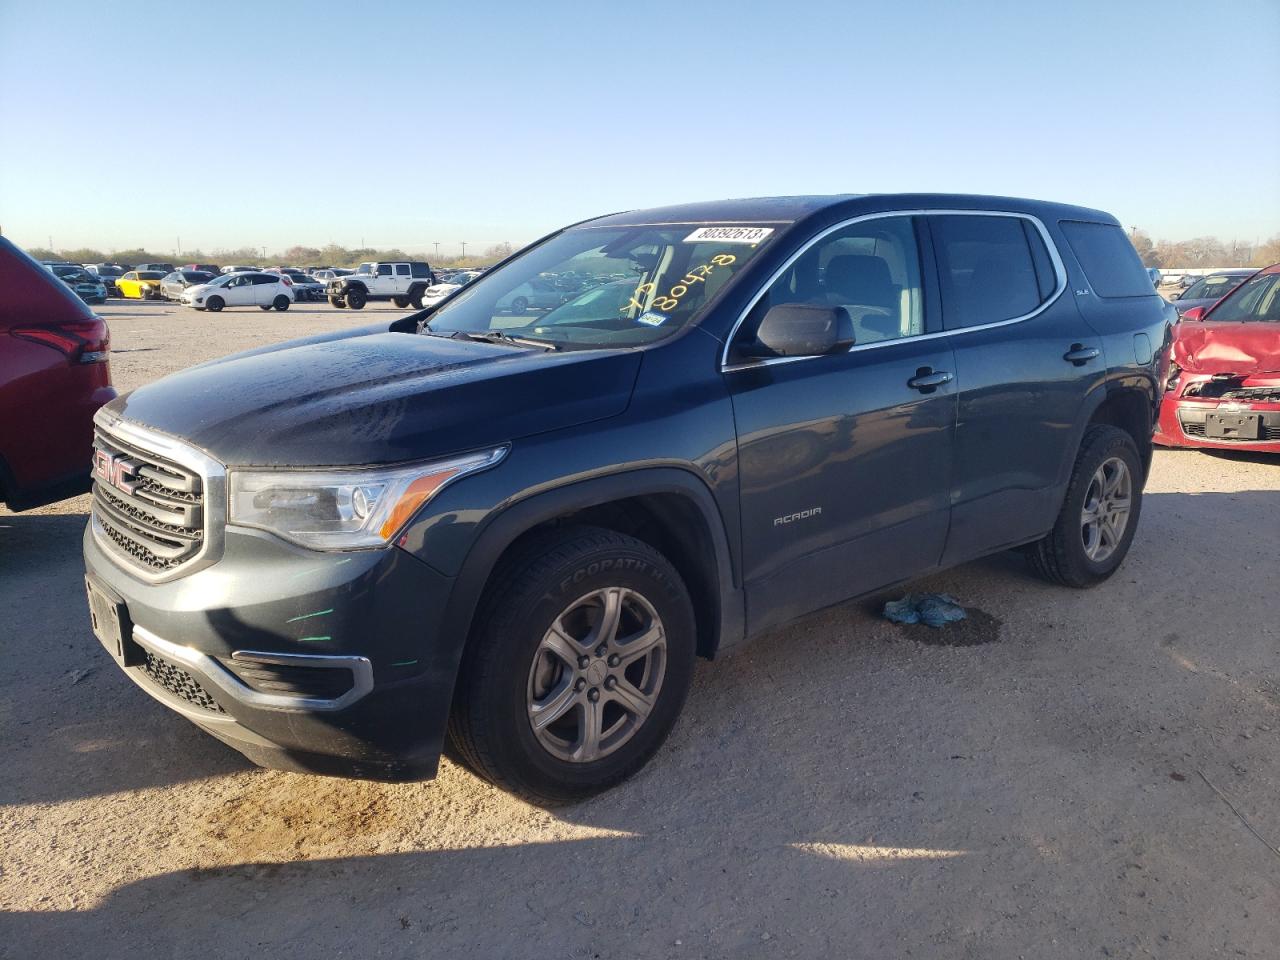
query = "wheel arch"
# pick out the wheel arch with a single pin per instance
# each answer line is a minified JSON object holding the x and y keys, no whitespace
{"x":669,"y":508}
{"x":1129,"y":405}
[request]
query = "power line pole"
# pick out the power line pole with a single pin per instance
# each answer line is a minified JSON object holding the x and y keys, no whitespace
{"x":436,"y":244}
{"x":464,"y":248}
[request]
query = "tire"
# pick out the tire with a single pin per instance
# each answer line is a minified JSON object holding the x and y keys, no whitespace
{"x":1107,"y":472}
{"x":281,"y":303}
{"x":337,"y":303}
{"x":415,"y":299}
{"x":264,"y":309}
{"x":400,"y":302}
{"x":519,"y":305}
{"x":563,"y":577}
{"x":214,"y":304}
{"x":356,"y":299}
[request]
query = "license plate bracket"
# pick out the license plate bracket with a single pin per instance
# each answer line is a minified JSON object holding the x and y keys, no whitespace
{"x":1233,"y":426}
{"x":109,"y":617}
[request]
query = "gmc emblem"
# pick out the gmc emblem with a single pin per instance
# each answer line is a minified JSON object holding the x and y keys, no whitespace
{"x":115,"y":471}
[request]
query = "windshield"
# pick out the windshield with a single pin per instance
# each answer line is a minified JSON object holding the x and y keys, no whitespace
{"x":150,"y":275}
{"x":197,"y":276}
{"x":605,"y":286}
{"x":365,"y":268}
{"x":1211,"y":287}
{"x":110,"y":272}
{"x":1257,"y":299}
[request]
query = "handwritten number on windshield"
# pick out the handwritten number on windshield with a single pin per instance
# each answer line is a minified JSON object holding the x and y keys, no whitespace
{"x":672,"y":300}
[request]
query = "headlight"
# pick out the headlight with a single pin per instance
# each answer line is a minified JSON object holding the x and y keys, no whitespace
{"x":344,"y":509}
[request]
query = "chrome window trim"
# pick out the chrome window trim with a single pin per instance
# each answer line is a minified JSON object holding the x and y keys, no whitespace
{"x":207,"y":668}
{"x":1059,"y":268}
{"x":213,"y":478}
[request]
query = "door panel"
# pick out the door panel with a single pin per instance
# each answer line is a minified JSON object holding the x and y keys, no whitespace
{"x":844,"y":473}
{"x":844,"y":467}
{"x":1020,"y":401}
{"x":240,"y":292}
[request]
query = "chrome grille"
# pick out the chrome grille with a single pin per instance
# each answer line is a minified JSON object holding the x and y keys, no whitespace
{"x":159,"y":524}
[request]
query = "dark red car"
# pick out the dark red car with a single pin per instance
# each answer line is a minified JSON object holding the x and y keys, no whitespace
{"x":53,"y":377}
{"x":1223,"y":390}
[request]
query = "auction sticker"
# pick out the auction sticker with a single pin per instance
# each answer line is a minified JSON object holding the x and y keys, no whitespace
{"x":728,"y":235}
{"x":652,"y":319}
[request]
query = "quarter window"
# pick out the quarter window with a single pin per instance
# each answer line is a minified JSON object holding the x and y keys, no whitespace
{"x":986,"y":270}
{"x":1112,"y":265}
{"x":871,"y":268}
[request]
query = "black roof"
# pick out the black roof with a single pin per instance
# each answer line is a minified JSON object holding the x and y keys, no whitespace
{"x":792,"y":209}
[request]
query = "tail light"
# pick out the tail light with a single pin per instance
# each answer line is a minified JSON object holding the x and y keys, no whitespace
{"x":287,"y":281}
{"x":81,"y":341}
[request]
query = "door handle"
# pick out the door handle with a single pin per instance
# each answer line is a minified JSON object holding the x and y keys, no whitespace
{"x":928,"y":380}
{"x":1079,"y":354}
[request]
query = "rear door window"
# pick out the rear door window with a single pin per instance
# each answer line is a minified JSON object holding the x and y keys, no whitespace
{"x":1109,"y":261}
{"x":986,"y":270}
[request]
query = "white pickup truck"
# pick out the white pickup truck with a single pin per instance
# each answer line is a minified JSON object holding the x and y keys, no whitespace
{"x":403,"y":282}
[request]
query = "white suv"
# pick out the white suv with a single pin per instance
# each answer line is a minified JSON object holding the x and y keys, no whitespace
{"x":264,"y":290}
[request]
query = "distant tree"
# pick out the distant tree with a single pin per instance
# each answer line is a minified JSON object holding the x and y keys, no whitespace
{"x":1265,"y":254}
{"x":499,"y":251}
{"x":1146,"y":249}
{"x":301,"y":255}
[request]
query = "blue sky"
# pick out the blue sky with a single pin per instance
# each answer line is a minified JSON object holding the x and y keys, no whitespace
{"x":273,"y":123}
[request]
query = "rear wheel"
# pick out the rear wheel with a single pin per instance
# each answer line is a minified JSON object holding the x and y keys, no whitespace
{"x":1099,"y":514}
{"x":519,"y":305}
{"x":400,"y":302}
{"x":356,"y":299}
{"x":215,"y":304}
{"x":281,"y":303}
{"x":337,"y":303}
{"x":264,"y":308}
{"x":578,"y":668}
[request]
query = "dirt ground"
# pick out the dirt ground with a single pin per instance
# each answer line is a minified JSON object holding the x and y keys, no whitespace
{"x":1086,"y":784}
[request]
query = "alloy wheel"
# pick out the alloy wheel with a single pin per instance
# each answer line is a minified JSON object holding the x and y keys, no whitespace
{"x":1105,"y":514}
{"x":596,"y":674}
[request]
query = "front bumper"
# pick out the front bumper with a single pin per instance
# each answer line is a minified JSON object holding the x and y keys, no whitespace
{"x":307,"y":661}
{"x":1186,"y":410}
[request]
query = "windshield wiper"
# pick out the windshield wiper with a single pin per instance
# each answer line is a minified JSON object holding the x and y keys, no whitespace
{"x":499,"y":336}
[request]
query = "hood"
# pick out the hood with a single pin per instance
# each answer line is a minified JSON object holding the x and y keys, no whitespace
{"x":1182,"y":306}
{"x":197,"y":289}
{"x":1241,"y":348}
{"x":372,"y":398}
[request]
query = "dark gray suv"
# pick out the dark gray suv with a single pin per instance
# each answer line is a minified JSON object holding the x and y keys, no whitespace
{"x":518,"y":531}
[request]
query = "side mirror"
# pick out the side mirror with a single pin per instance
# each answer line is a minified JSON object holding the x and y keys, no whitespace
{"x":1194,"y":314}
{"x":801,"y":330}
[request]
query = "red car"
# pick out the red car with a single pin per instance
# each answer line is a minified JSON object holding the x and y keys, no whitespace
{"x":53,"y":377}
{"x":1223,"y":390}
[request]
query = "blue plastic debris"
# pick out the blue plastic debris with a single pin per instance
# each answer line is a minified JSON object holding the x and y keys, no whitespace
{"x":931,"y":609}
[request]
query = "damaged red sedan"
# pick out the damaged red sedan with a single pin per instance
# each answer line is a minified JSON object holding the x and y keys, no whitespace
{"x":1223,"y":390}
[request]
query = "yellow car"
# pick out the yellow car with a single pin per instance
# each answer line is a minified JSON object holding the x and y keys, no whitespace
{"x":140,"y":284}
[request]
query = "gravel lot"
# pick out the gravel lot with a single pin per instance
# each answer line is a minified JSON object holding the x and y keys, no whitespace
{"x":1085,"y":785}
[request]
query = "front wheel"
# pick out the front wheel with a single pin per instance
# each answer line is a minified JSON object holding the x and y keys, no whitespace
{"x":579,"y":668}
{"x":215,"y":304}
{"x":400,"y":302}
{"x":337,"y":303}
{"x":1099,"y":515}
{"x":264,"y":308}
{"x":281,"y":303}
{"x":519,"y":305}
{"x":356,"y":299}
